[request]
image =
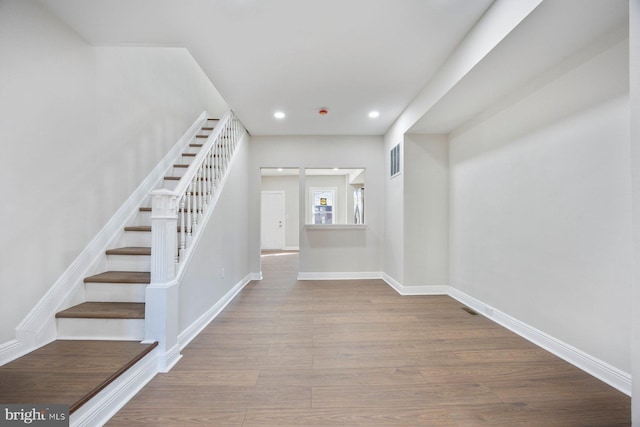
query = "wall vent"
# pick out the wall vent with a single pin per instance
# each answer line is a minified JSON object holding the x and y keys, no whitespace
{"x":470,"y":311}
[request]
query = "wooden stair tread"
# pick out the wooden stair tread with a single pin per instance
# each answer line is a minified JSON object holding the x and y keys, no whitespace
{"x":68,"y":372}
{"x":147,"y":228}
{"x":196,"y":145}
{"x":120,"y":277}
{"x":138,"y":228}
{"x":202,"y":136}
{"x":179,"y":165}
{"x":189,"y":154}
{"x":207,"y":128}
{"x":145,"y":209}
{"x":131,"y":250}
{"x":104,"y":310}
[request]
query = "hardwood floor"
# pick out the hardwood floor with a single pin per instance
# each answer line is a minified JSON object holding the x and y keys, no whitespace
{"x":67,"y":372}
{"x":355,"y":353}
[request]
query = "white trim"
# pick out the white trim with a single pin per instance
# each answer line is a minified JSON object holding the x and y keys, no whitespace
{"x":108,"y":402}
{"x":39,"y":327}
{"x":335,"y":226}
{"x":291,"y":248}
{"x":416,"y":290}
{"x":603,"y":371}
{"x":192,"y":331}
{"x":169,"y":359}
{"x":13,"y":349}
{"x":255,"y":276}
{"x":339,"y":275}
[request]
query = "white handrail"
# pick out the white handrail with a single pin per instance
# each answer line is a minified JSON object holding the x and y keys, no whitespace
{"x":177,"y":214}
{"x":182,"y":187}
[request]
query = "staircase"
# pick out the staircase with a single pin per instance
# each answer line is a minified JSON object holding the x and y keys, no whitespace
{"x":128,"y":295}
{"x":114,"y":307}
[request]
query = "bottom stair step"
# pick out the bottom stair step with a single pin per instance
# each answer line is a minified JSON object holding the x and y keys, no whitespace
{"x":68,"y":372}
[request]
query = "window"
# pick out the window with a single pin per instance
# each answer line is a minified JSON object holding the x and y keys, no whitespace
{"x":323,"y":204}
{"x":334,"y":196}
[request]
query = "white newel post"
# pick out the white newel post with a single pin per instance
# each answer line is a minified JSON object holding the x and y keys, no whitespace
{"x":161,"y":310}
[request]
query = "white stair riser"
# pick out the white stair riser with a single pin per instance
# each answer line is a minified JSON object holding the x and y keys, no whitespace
{"x":178,"y":171}
{"x":186,"y":160}
{"x":115,"y":292}
{"x":137,"y":238}
{"x":195,"y":149}
{"x":170,"y":184}
{"x":142,"y":218}
{"x":101,"y":329}
{"x":129,"y":262}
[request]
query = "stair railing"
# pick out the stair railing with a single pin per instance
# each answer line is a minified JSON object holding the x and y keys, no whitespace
{"x":177,"y":218}
{"x":183,"y":208}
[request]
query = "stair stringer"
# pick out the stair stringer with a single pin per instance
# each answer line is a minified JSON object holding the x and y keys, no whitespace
{"x":38,"y":328}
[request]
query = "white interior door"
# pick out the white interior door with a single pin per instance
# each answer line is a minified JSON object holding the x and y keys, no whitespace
{"x":272,"y":220}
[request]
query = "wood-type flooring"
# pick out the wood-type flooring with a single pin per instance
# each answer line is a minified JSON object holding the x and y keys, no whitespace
{"x":67,"y":372}
{"x":355,"y":353}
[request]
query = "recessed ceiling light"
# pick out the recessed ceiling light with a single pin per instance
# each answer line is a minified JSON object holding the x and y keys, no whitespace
{"x":374,"y":114}
{"x":278,"y":115}
{"x":280,"y":169}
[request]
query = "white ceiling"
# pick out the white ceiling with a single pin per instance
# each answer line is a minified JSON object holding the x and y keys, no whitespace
{"x":557,"y":35}
{"x":349,"y":56}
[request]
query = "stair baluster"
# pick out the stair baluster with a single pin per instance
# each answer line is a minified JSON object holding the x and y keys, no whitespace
{"x":198,"y":185}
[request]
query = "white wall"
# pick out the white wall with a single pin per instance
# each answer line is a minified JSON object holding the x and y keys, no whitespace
{"x":541,"y":211}
{"x":634,"y":50}
{"x":393,"y":259}
{"x":223,"y":245}
{"x":324,"y":251}
{"x":499,"y":20}
{"x":47,"y":105}
{"x":426,"y":210}
{"x":81,"y":127}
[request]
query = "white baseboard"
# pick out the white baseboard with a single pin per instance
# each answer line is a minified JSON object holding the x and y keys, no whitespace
{"x":38,"y":327}
{"x":609,"y":374}
{"x":291,"y":248}
{"x":255,"y":276}
{"x":340,"y":275}
{"x":591,"y":365}
{"x":186,"y":336}
{"x":13,"y":349}
{"x":416,"y":290}
{"x":168,"y":360}
{"x":98,"y":410}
